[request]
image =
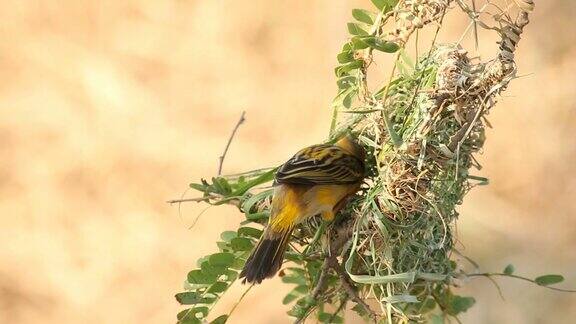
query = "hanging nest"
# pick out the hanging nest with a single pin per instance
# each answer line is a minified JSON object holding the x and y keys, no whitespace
{"x":423,"y":135}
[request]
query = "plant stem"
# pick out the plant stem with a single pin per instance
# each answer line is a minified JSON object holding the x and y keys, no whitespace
{"x":496,"y":274}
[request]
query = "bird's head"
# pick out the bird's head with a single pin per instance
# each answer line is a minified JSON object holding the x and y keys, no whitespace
{"x":349,"y":143}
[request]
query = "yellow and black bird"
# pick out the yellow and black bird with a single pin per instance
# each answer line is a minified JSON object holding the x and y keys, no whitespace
{"x":315,"y":181}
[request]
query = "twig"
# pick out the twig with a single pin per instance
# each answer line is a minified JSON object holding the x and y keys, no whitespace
{"x":221,"y":158}
{"x":318,"y":289}
{"x":339,"y":309}
{"x":349,"y":287}
{"x":234,"y":201}
{"x":322,"y":278}
{"x":443,"y":307}
{"x":492,"y":274}
{"x":239,"y":300}
{"x":475,"y":25}
{"x":495,"y":283}
{"x":339,"y":235}
{"x":198,"y":199}
{"x":315,"y":239}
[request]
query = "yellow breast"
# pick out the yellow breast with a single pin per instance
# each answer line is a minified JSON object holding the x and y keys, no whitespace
{"x":293,"y":204}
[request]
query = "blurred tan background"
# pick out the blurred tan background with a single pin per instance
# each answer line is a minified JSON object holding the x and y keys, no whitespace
{"x":109,"y":108}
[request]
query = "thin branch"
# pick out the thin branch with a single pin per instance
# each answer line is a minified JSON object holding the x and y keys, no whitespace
{"x":495,"y":283}
{"x":443,"y":307}
{"x":339,"y":309}
{"x":475,"y":25}
{"x":322,"y":278}
{"x":350,"y":288}
{"x":493,"y":274}
{"x":315,"y":239}
{"x":339,"y":235}
{"x":198,"y":199}
{"x":234,"y":201}
{"x":240,"y":300}
{"x":221,"y":158}
{"x":318,"y":288}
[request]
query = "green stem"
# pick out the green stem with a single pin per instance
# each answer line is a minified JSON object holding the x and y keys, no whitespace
{"x":239,"y":300}
{"x":315,"y":239}
{"x":494,"y":274}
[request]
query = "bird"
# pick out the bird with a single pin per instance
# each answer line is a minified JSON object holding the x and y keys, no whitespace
{"x":317,"y":180}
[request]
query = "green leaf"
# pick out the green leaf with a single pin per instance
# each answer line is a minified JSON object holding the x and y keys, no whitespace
{"x":380,"y":45}
{"x":345,"y":96}
{"x":364,"y":16}
{"x":221,"y":259}
{"x":191,"y":298}
{"x":231,"y":275}
{"x":379,"y":4}
{"x":313,"y":268}
{"x":436,"y":319}
{"x":347,"y":101}
{"x":295,"y":293}
{"x":294,"y":257}
{"x":407,"y":60}
{"x":241,"y":244}
{"x":549,"y":279}
{"x":360,"y":310}
{"x":346,"y":82}
{"x":307,"y":301}
{"x":197,"y":277}
{"x":188,"y":316}
{"x":290,"y":297}
{"x":263,"y":178}
{"x":217,"y":287}
{"x":295,"y":276}
{"x":294,"y":279}
{"x":385,"y":5}
{"x":345,"y":57}
{"x":356,"y":29}
{"x":223,"y":246}
{"x":187,"y":298}
{"x":358,"y":43}
{"x":221,"y":186}
{"x":258,"y":216}
{"x":296,"y":271}
{"x":240,"y":261}
{"x":201,"y":260}
{"x":212,"y":270}
{"x":249,"y":204}
{"x":343,"y":69}
{"x":199,"y":187}
{"x":330,"y":318}
{"x":200,"y":312}
{"x":250,"y":232}
{"x":220,"y":319}
{"x":297,"y":311}
{"x":190,"y":321}
{"x":459,"y":304}
{"x":227,"y":236}
{"x":427,"y":305}
{"x":482,"y":181}
{"x":192,"y":315}
{"x":509,"y":269}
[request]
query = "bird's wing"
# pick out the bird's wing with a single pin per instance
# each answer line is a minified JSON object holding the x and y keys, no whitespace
{"x":321,"y":164}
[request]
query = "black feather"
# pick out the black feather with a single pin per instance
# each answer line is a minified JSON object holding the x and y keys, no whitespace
{"x":266,"y":258}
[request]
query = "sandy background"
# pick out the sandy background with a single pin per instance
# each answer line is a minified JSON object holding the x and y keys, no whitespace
{"x":109,"y":108}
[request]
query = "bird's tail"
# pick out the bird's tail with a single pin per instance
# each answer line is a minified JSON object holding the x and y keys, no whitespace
{"x":266,"y":258}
